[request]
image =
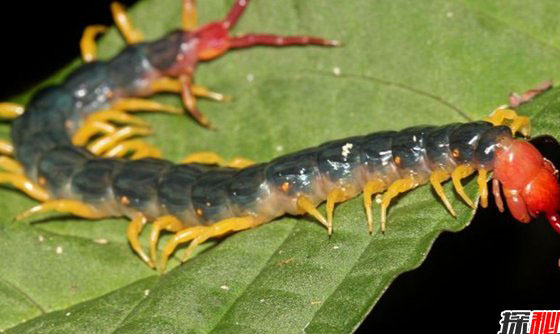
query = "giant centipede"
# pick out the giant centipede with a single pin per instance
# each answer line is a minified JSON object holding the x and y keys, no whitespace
{"x":197,"y":201}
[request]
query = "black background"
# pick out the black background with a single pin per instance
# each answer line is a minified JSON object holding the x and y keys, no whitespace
{"x":468,"y":278}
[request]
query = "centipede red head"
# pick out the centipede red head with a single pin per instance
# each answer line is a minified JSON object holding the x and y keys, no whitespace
{"x":530,"y":182}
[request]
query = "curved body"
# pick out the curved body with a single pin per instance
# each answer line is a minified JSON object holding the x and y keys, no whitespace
{"x":54,"y":114}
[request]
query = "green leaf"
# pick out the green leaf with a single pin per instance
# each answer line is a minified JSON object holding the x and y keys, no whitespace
{"x":402,"y":64}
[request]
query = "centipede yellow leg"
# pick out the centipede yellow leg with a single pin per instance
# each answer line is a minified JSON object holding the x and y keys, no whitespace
{"x":336,"y":195}
{"x":371,"y":187}
{"x":204,"y":157}
{"x":436,"y":179}
{"x":140,"y":148}
{"x":459,"y":173}
{"x":90,"y":129}
{"x":394,"y":189}
{"x":521,"y":124}
{"x":211,"y":158}
{"x":133,"y":231}
{"x":117,"y":116}
{"x":72,"y":207}
{"x":6,"y":147}
{"x":180,"y":237}
{"x":10,"y":165}
{"x":10,"y":110}
{"x":166,"y":84}
{"x":21,"y":182}
{"x":235,"y":224}
{"x":203,"y":91}
{"x":88,"y":46}
{"x":189,"y":101}
{"x":483,"y":186}
{"x":188,"y":91}
{"x":124,"y":23}
{"x":498,"y":116}
{"x":168,"y":223}
{"x":306,"y":206}
{"x":106,"y":142}
{"x":137,"y":104}
{"x":99,"y":122}
{"x":172,"y":85}
{"x":189,"y":18}
{"x":239,"y":162}
{"x":516,"y":123}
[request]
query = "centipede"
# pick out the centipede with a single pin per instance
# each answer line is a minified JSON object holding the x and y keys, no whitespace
{"x":71,"y":142}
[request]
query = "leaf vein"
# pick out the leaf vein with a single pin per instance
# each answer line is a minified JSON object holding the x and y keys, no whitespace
{"x":24,"y":294}
{"x":402,"y":86}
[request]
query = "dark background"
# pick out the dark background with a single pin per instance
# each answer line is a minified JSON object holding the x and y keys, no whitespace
{"x":468,"y":278}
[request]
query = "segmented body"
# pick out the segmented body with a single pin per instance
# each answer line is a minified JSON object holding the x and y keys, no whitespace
{"x":202,"y":195}
{"x":54,"y":114}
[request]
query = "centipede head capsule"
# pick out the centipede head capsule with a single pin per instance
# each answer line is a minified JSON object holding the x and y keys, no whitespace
{"x":529,"y":181}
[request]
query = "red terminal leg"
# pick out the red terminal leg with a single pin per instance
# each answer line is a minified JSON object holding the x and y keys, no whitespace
{"x":234,"y":14}
{"x":214,"y":39}
{"x":249,"y":40}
